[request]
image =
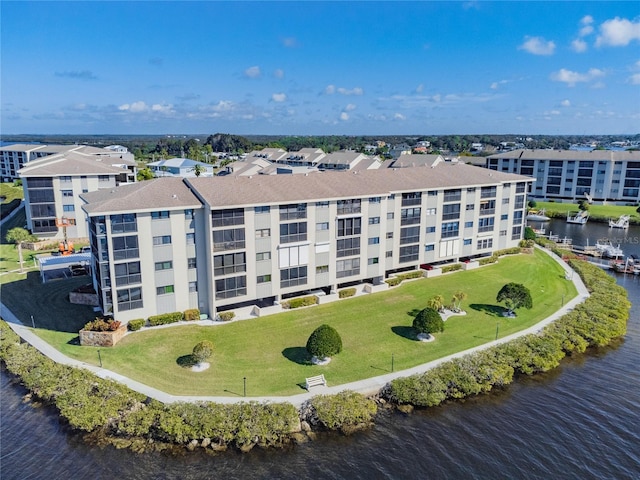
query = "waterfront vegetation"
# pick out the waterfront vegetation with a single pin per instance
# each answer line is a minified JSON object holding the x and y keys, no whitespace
{"x":271,"y":351}
{"x":123,"y":417}
{"x":597,"y":213}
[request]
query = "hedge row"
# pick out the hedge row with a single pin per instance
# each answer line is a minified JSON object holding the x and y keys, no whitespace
{"x":300,"y":302}
{"x":393,"y":281}
{"x":164,"y":319}
{"x":93,"y":404}
{"x":451,"y":268}
{"x":347,"y":292}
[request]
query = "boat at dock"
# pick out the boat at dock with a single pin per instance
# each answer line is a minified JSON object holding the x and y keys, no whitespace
{"x":607,"y":249}
{"x":537,"y":216}
{"x":622,"y":222}
{"x":579,"y":218}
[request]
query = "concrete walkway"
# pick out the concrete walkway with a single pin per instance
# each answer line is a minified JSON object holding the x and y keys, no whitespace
{"x":369,"y":386}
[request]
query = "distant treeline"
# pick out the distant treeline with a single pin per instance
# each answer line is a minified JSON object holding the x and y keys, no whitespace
{"x":208,"y":147}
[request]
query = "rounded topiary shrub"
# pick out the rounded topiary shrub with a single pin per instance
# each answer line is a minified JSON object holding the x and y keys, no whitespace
{"x":324,"y":342}
{"x":428,"y":321}
{"x":202,"y":351}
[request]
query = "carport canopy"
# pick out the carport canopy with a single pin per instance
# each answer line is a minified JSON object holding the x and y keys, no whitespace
{"x":57,"y":266}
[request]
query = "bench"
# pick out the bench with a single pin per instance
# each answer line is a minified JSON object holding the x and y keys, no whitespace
{"x":316,"y":381}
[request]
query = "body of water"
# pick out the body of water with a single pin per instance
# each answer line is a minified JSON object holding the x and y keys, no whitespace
{"x":580,"y":421}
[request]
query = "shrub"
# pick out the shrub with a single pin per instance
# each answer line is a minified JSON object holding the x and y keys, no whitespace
{"x":451,"y":268}
{"x":529,"y":234}
{"x":137,"y":324}
{"x":428,"y":320}
{"x":393,"y":281}
{"x":527,"y":243}
{"x":488,"y":260}
{"x":192,"y":314}
{"x":165,"y":318}
{"x":515,"y":295}
{"x":507,"y":251}
{"x":226,"y":316}
{"x":324,"y":342}
{"x":345,"y":411}
{"x":347,"y":292}
{"x":411,"y":275}
{"x":202,"y":351}
{"x":300,"y":302}
{"x":102,"y":325}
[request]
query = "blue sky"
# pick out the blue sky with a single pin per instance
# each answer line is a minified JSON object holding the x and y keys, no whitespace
{"x":320,"y":68}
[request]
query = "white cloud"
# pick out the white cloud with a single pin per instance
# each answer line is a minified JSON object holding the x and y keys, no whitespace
{"x":634,"y":79}
{"x":350,"y":107}
{"x":399,"y":116}
{"x":579,"y":45}
{"x":142,"y":107}
{"x":344,"y":116}
{"x":496,"y":85}
{"x":618,"y":32}
{"x":279,"y":97}
{"x":571,"y":78}
{"x":565,"y":103}
{"x":330,"y":89}
{"x":419,"y":88}
{"x":252,"y":72}
{"x":353,"y":91}
{"x":538,"y":46}
{"x":586,"y":30}
{"x":278,"y":73}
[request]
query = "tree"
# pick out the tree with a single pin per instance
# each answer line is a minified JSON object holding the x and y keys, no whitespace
{"x":198,"y":169}
{"x":457,"y":299}
{"x":144,"y":174}
{"x":202,"y":351}
{"x":324,"y":342}
{"x":583,"y":205}
{"x":532,"y":204}
{"x":514,"y":296}
{"x":436,"y":302}
{"x":529,"y":234}
{"x":19,"y":236}
{"x":428,"y":321}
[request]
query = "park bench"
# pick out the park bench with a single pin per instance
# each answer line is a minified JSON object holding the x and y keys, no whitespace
{"x":316,"y":381}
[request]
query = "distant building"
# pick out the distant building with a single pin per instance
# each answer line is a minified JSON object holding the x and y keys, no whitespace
{"x":53,"y":184}
{"x":179,"y":167}
{"x":249,"y":242}
{"x":599,"y":175}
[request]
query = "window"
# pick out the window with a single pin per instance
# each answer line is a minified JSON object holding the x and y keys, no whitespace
{"x":322,"y":226}
{"x":263,"y":278}
{"x":261,"y":209}
{"x":429,"y":248}
{"x":349,"y":226}
{"x":504,"y":217}
{"x":388,"y":254}
{"x":450,"y":229}
{"x":67,"y":193}
{"x":430,"y":211}
{"x":451,"y":212}
{"x":410,"y":216}
{"x":232,"y":239}
{"x":193,"y":287}
{"x":431,"y":230}
{"x":127,"y":273}
{"x":188,"y":214}
{"x":65,"y":179}
{"x":467,"y":241}
{"x":164,"y":290}
{"x":260,"y":256}
{"x":519,"y":202}
{"x":516,"y":233}
{"x":452,"y":195}
{"x":103,"y":178}
{"x":231,"y":287}
{"x":373,"y":261}
{"x":470,"y":206}
{"x":322,"y":204}
{"x":389,"y":235}
{"x":487,"y":207}
{"x":191,"y":262}
{"x":485,"y":224}
{"x":485,"y":243}
{"x":347,"y":267}
{"x":69,"y":208}
{"x":374,"y":241}
{"x":162,"y":240}
{"x":346,"y":207}
{"x":129,"y":298}
{"x":517,"y":217}
{"x":409,"y":199}
{"x":409,"y":235}
{"x":293,"y":211}
{"x":505,"y":201}
{"x":293,"y":232}
{"x":123,"y":223}
{"x":374,"y":220}
{"x":322,"y":269}
{"x":229,"y":263}
{"x":168,"y":265}
{"x":125,"y":247}
{"x":290,"y":277}
{"x":468,"y":224}
{"x":488,"y":192}
{"x":224,"y":218}
{"x":375,"y":199}
{"x":348,"y":247}
{"x":191,"y":238}
{"x":503,"y":233}
{"x":389,"y":215}
{"x":263,"y":232}
{"x":409,"y":253}
{"x":159,"y":215}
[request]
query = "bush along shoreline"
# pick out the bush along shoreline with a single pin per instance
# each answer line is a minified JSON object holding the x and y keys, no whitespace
{"x":108,"y":412}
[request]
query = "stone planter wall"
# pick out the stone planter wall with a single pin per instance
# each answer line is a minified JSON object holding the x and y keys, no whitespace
{"x":102,"y":339}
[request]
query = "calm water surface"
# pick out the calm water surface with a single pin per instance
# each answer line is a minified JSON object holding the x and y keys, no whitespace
{"x":581,"y":421}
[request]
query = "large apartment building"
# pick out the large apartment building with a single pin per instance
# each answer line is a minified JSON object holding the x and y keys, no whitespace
{"x":598,"y":175}
{"x":16,"y":156}
{"x":223,"y":243}
{"x":53,"y":184}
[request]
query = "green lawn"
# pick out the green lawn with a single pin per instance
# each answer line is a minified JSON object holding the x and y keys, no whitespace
{"x":601,"y":211}
{"x":270,"y":351}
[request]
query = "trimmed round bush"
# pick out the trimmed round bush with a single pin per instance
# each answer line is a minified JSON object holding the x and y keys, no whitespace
{"x":428,"y":321}
{"x":324,"y":342}
{"x":202,"y":351}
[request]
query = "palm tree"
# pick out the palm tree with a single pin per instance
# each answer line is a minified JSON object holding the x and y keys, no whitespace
{"x":19,"y":236}
{"x":198,"y":169}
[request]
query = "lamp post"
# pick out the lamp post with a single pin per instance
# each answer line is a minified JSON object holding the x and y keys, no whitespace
{"x":392,"y":363}
{"x":244,"y":391}
{"x":99,"y":358}
{"x":497,"y":329}
{"x":33,"y":323}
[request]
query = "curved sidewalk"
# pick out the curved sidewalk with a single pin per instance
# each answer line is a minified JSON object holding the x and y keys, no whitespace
{"x":369,"y":386}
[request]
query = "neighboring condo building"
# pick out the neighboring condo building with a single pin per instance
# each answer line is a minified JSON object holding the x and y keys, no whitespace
{"x":52,"y":187}
{"x":224,"y":243}
{"x":598,"y":175}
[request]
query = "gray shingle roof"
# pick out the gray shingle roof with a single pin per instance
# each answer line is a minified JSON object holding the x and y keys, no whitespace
{"x":594,"y":155}
{"x":72,"y":163}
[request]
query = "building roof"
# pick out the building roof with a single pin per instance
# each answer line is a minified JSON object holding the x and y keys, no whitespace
{"x":594,"y":155}
{"x":272,"y":189}
{"x":151,"y":195}
{"x":179,"y":163}
{"x":72,"y":163}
